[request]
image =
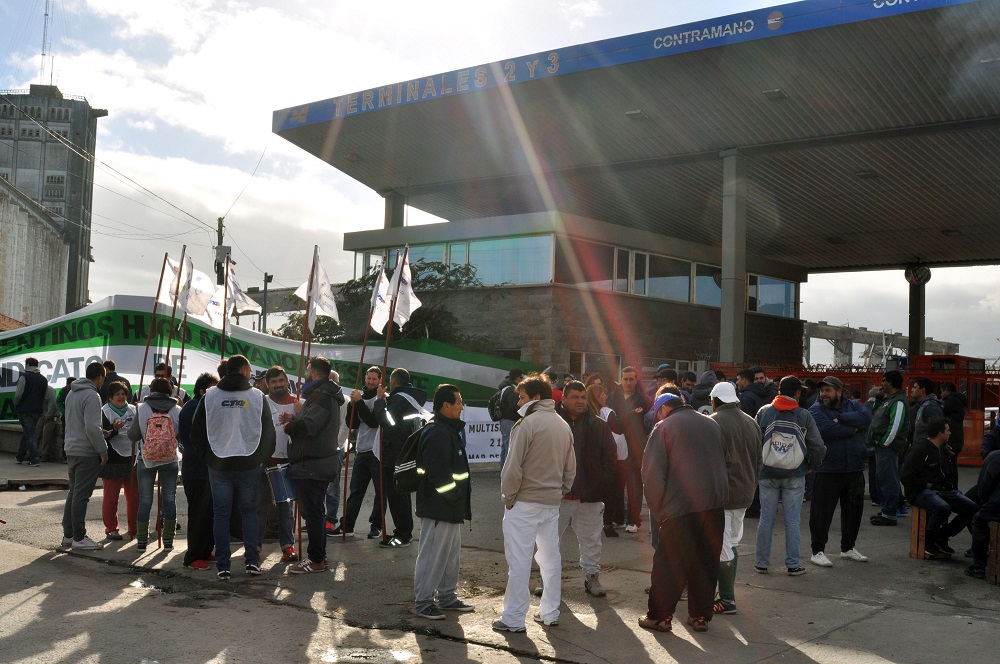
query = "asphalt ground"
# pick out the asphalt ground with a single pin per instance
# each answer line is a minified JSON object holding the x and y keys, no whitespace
{"x":115,"y":605}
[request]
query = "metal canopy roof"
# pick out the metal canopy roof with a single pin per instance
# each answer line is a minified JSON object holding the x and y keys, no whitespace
{"x":882,"y":148}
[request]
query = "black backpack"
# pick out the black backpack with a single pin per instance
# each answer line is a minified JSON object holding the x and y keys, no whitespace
{"x":405,"y":477}
{"x":493,"y":405}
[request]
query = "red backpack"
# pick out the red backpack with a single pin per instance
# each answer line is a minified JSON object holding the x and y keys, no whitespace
{"x":159,"y":445}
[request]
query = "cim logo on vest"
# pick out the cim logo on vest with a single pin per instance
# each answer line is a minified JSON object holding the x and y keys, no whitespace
{"x":234,"y":403}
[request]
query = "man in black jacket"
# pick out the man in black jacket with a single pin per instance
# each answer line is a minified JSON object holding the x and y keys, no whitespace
{"x":926,"y":485}
{"x":361,"y":420}
{"x":596,"y":461}
{"x":954,"y":405}
{"x":29,"y":398}
{"x":233,"y":430}
{"x":988,"y":490}
{"x":444,"y":501}
{"x":508,"y":409}
{"x":396,"y":414}
{"x":314,"y":456}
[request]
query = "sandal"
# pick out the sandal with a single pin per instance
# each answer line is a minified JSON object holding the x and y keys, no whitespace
{"x":698,"y":624}
{"x":656,"y":625}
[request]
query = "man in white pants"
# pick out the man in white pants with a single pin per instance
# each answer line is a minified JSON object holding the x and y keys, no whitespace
{"x":538,"y":472}
{"x":743,"y":444}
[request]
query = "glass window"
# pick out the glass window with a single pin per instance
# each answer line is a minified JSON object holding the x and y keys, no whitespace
{"x":426,"y":252}
{"x":768,"y":295}
{"x":520,"y":260}
{"x":458,"y":253}
{"x":639,"y":273}
{"x":584,"y":263}
{"x":621,"y":271}
{"x":708,"y":285}
{"x":669,"y":278}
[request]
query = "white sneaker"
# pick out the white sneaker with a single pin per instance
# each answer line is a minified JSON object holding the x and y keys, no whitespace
{"x":87,"y":544}
{"x":821,"y":560}
{"x":854,"y":554}
{"x":631,"y":528}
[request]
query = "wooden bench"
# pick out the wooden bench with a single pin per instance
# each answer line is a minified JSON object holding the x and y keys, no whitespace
{"x":993,"y":559}
{"x":918,"y":532}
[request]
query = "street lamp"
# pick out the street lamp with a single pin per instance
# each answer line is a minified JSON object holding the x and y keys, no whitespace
{"x":268,"y":278}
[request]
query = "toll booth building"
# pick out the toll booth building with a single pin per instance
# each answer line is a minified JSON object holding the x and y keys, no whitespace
{"x":661,"y":196}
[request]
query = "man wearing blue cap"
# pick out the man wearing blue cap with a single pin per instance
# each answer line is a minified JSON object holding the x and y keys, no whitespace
{"x":686,"y":485}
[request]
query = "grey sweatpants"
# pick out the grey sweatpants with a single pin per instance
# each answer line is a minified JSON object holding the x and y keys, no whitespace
{"x":83,"y":474}
{"x":436,"y":573}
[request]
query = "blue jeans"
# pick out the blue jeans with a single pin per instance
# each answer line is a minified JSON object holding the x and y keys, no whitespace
{"x":244,"y":487}
{"x":28,"y":449}
{"x":887,"y":477}
{"x":168,"y":489}
{"x":940,"y":505}
{"x":333,"y":493}
{"x":790,"y":491}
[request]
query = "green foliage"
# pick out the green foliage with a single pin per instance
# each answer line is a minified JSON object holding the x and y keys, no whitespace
{"x":432,"y":281}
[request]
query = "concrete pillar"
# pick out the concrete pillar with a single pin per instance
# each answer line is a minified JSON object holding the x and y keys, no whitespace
{"x":394,"y":203}
{"x":732,"y":341}
{"x":918,"y":308}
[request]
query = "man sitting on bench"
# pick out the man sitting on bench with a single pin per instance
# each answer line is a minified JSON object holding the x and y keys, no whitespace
{"x":988,"y":490}
{"x":926,"y":486}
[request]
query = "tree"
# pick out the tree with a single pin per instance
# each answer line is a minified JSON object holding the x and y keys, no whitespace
{"x":432,"y":280}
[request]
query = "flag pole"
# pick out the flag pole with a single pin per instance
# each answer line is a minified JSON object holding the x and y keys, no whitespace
{"x":305,"y":321}
{"x":173,"y":313}
{"x":149,"y":337}
{"x":225,"y":311}
{"x":385,"y":367}
{"x":354,"y":414}
{"x":180,"y":369}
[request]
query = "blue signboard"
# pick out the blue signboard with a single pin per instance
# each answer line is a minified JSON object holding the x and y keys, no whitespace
{"x":733,"y":29}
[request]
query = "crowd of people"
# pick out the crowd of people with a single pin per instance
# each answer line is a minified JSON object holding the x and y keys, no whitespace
{"x":705,"y":453}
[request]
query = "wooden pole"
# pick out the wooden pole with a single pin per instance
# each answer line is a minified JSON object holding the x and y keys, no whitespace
{"x":385,"y":367}
{"x":149,"y":337}
{"x":173,"y":313}
{"x":305,"y":322}
{"x":180,"y":369}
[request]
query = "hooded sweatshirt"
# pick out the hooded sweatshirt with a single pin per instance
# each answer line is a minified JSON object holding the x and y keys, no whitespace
{"x":84,"y":436}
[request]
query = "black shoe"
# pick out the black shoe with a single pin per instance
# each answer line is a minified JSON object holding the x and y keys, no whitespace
{"x":393,"y":543}
{"x":943,"y":545}
{"x":752,"y":515}
{"x":880,"y":520}
{"x":932,"y":552}
{"x":975,"y":572}
{"x":968,"y":553}
{"x":609,"y":531}
{"x":375,"y":533}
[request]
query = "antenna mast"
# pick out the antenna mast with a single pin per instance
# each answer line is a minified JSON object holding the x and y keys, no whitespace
{"x":45,"y":41}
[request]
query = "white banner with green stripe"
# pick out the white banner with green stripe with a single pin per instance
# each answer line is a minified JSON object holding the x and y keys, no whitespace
{"x":116,"y":328}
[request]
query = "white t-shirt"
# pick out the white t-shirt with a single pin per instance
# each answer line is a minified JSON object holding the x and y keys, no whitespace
{"x":280,"y":437}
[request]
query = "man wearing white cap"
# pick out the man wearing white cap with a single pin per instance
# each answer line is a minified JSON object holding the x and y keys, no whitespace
{"x":742,"y":447}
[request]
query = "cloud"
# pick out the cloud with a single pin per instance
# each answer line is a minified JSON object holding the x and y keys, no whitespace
{"x":578,"y":12}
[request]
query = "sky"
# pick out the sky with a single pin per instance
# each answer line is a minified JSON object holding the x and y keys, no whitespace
{"x":190,"y":87}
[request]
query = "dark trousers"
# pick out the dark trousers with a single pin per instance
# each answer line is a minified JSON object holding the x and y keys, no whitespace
{"x":873,"y":491}
{"x":942,"y":504}
{"x":400,"y":506}
{"x":365,"y":471}
{"x":980,"y":529}
{"x":687,"y":554}
{"x":633,"y":488}
{"x":200,"y":536}
{"x":311,"y":495}
{"x":831,"y":489}
{"x":27,"y":450}
{"x":614,"y":503}
{"x":887,"y":478}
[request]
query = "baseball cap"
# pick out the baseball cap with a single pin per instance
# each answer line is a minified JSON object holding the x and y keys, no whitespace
{"x":258,"y":376}
{"x":664,"y":398}
{"x":789,"y":384}
{"x":725,"y":392}
{"x":832,"y":381}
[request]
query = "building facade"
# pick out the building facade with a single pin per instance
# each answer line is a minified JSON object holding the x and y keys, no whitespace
{"x":47,"y":143}
{"x":582,"y":295}
{"x":34,"y":260}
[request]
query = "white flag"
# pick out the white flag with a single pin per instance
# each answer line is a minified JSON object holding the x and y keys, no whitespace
{"x":406,"y":301}
{"x":168,"y":283}
{"x":380,"y":302}
{"x":199,"y":293}
{"x":321,"y":293}
{"x":239,"y":302}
